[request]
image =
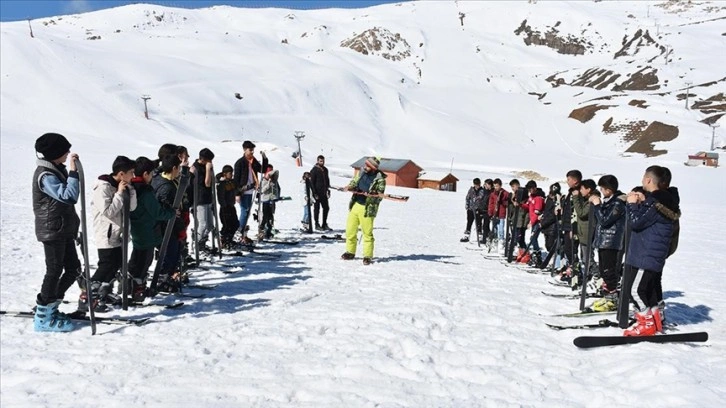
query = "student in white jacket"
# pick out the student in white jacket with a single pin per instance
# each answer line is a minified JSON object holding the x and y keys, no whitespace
{"x":107,"y":213}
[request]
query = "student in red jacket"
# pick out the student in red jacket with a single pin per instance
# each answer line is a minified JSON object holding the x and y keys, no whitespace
{"x":497,"y":210}
{"x":534,"y":205}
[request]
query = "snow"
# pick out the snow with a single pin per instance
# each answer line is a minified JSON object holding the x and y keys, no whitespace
{"x":431,"y":322}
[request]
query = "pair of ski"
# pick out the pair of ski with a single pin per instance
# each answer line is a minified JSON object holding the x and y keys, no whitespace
{"x":83,"y":317}
{"x":392,"y":197}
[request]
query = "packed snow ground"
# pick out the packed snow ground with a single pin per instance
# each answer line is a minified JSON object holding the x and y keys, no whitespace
{"x":431,"y":322}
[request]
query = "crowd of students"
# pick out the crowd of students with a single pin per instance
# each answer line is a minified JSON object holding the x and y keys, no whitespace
{"x":631,"y":235}
{"x":151,"y":191}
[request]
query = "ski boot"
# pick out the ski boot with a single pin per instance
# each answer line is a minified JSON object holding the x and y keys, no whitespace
{"x":99,"y":303}
{"x":647,"y":323}
{"x":465,"y":238}
{"x":347,"y":256}
{"x":367,"y":261}
{"x":48,"y":319}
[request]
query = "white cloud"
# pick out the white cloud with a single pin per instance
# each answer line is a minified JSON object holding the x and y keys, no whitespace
{"x":77,"y":6}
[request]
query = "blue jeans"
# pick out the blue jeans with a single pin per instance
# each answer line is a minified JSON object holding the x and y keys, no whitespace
{"x":245,"y":204}
{"x":500,"y":229}
{"x":306,"y":215}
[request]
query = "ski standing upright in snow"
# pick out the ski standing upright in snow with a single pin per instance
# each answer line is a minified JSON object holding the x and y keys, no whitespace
{"x":125,"y":236}
{"x":168,"y":231}
{"x":84,"y":247}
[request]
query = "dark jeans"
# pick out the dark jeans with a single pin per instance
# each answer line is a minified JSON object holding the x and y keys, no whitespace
{"x":230,"y":222}
{"x":268,"y":218}
{"x":321,"y":201}
{"x":109,"y":263}
{"x":608,"y":263}
{"x":471,"y":218}
{"x":171,"y":260}
{"x":62,"y":268}
{"x":570,"y":247}
{"x":139,"y":262}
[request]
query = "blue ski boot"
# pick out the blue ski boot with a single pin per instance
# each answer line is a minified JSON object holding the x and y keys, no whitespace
{"x":49,"y":319}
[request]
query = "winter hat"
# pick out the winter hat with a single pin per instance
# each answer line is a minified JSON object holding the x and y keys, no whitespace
{"x":206,"y":154}
{"x":52,"y":146}
{"x":248,"y":145}
{"x":373,"y":163}
{"x":227,"y":169}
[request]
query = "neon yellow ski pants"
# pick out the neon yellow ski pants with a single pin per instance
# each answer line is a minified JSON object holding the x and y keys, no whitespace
{"x":355,"y":218}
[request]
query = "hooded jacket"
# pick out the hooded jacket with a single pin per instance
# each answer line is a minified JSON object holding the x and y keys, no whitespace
{"x":146,"y":231}
{"x":270,"y":188}
{"x":610,"y":223}
{"x":652,"y":223}
{"x":107,"y":211}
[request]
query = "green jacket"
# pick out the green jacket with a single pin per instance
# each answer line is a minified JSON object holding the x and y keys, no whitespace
{"x":378,"y":186}
{"x":145,"y":227}
{"x":582,"y":211}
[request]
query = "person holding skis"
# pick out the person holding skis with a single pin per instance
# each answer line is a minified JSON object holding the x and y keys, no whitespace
{"x":569,"y":224}
{"x":307,"y":199}
{"x":366,"y":186}
{"x":55,"y":193}
{"x":269,"y":194}
{"x":519,"y":225}
{"x":497,"y":210}
{"x":145,"y":232}
{"x":107,"y":208}
{"x":581,"y":205}
{"x":652,"y":215}
{"x":247,"y":182}
{"x":203,"y":173}
{"x":226,"y":191}
{"x":608,"y":240}
{"x":165,"y":189}
{"x":534,"y":207}
{"x":475,"y":204}
{"x":320,"y":182}
{"x":551,"y":223}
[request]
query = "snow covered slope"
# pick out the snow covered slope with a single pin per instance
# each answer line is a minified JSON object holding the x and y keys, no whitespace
{"x":430,"y":323}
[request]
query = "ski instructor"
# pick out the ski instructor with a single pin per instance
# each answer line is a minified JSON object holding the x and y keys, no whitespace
{"x":367,"y":186}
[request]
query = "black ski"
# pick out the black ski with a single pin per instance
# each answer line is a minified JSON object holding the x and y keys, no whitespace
{"x":281,"y":242}
{"x":200,"y":286}
{"x":84,"y":247}
{"x":586,"y":312}
{"x":602,"y":341}
{"x":599,"y":325}
{"x":174,"y":305}
{"x":337,"y":237}
{"x":82,"y":317}
{"x":588,"y":255}
{"x":183,"y":184}
{"x":125,"y":226}
{"x":216,"y":236}
{"x":569,"y":295}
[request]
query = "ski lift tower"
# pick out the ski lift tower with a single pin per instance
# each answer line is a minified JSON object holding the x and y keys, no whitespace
{"x":146,"y":109}
{"x":299,"y":135}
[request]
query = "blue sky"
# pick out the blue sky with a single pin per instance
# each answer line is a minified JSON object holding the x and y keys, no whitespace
{"x":14,"y":10}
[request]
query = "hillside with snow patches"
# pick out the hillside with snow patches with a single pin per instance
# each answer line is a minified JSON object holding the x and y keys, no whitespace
{"x":484,"y":89}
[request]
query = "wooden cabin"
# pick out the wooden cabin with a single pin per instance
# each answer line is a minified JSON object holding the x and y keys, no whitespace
{"x":709,"y":159}
{"x":438,"y":181}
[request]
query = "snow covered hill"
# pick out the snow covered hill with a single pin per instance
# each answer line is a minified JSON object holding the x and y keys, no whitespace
{"x":505,"y":89}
